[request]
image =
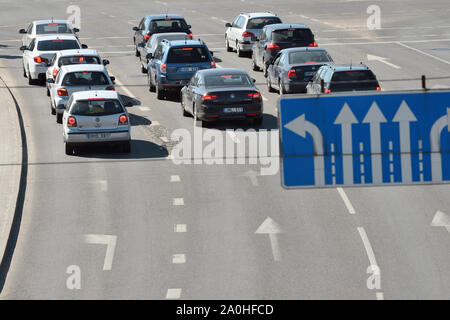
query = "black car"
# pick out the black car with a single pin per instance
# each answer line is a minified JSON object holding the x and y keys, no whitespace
{"x":330,"y":78}
{"x":293,"y":68}
{"x":276,"y":37}
{"x":222,"y":94}
{"x":159,"y":23}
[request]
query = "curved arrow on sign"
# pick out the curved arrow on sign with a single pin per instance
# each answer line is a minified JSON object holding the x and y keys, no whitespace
{"x":435,"y":141}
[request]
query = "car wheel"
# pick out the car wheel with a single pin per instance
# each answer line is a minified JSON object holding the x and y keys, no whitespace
{"x":183,"y":109}
{"x":48,"y":93}
{"x":159,"y":92}
{"x":31,"y":81}
{"x":59,"y":117}
{"x":269,"y":85}
{"x":52,"y":109}
{"x":143,"y":70}
{"x":150,"y":83}
{"x":264,"y":69}
{"x":254,"y":65}
{"x":136,"y":49}
{"x":227,"y":45}
{"x":24,"y":72}
{"x":69,"y":149}
{"x":238,"y":50}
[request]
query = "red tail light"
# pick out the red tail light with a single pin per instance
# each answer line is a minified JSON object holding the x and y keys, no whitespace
{"x":209,"y":97}
{"x":71,"y":122}
{"x":248,"y":34}
{"x":292,"y":74}
{"x":313,"y":44}
{"x":146,"y":37}
{"x":378,"y":88}
{"x":123,"y":120}
{"x":62,"y":92}
{"x":163,"y":68}
{"x":55,"y":73}
{"x":328,"y":91}
{"x":272,"y":46}
{"x":254,"y":95}
{"x":110,"y":88}
{"x":190,"y":35}
{"x":40,"y":60}
{"x":213,"y":64}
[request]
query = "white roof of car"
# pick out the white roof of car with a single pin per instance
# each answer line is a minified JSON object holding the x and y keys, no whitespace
{"x":171,"y":35}
{"x":83,"y":67}
{"x":259,"y":14}
{"x":56,"y":36}
{"x":92,"y":94}
{"x":50,"y":21}
{"x":72,"y":52}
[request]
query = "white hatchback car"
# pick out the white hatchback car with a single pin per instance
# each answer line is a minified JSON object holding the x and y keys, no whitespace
{"x":74,"y":78}
{"x":70,"y":57}
{"x":96,"y":117}
{"x":37,"y":55}
{"x":46,"y":27}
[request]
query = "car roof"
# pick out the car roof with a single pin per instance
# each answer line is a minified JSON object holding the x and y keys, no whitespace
{"x":166,"y":34}
{"x":258,"y":14}
{"x":56,"y":36}
{"x":163,"y":16}
{"x":302,"y":49}
{"x":84,"y":95}
{"x":86,"y":52}
{"x":280,"y":26}
{"x":220,"y":71}
{"x":50,"y":21}
{"x":83,"y":67}
{"x":185,"y":43}
{"x":357,"y":67}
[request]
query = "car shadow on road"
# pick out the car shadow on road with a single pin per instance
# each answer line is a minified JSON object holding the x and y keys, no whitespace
{"x":140,"y":149}
{"x":269,"y":123}
{"x":129,"y":101}
{"x":136,"y":120}
{"x":9,"y":57}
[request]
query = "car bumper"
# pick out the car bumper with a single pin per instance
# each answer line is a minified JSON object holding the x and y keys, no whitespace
{"x":175,"y":84}
{"x":87,"y":137}
{"x":245,"y":45}
{"x":295,"y":86}
{"x":217,"y":112}
{"x":38,"y":72}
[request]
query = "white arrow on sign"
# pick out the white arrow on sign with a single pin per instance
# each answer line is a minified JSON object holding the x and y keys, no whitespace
{"x":300,"y":126}
{"x":270,"y":227}
{"x":374,"y":118}
{"x":109,"y":241}
{"x":372,"y":57}
{"x":404,"y":117}
{"x":346,"y":119}
{"x":435,"y":140}
{"x":441,"y":219}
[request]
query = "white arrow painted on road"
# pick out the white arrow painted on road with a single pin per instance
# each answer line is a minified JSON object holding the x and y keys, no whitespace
{"x":346,"y":119}
{"x":441,"y":219}
{"x":435,"y":141}
{"x":300,"y":126}
{"x":404,"y":117}
{"x":253,"y":175}
{"x":109,"y":241}
{"x":374,"y":118}
{"x":372,"y":57}
{"x":270,"y":227}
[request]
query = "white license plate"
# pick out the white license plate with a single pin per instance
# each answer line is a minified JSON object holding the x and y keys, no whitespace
{"x":308,"y":74}
{"x":189,"y":69}
{"x":233,"y":110}
{"x":98,"y":135}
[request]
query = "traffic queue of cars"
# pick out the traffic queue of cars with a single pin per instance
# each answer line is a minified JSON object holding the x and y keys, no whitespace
{"x":83,"y":98}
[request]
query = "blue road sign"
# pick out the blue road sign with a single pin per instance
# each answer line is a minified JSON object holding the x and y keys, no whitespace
{"x":365,"y":139}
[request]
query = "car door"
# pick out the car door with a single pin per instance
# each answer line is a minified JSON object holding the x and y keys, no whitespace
{"x":232,"y":32}
{"x":278,"y":67}
{"x":139,"y":37}
{"x":272,"y":70}
{"x":27,"y":37}
{"x":189,"y":93}
{"x":28,"y":53}
{"x":156,"y":62}
{"x":261,"y":47}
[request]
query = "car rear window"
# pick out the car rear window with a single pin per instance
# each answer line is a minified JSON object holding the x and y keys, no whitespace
{"x":86,"y":78}
{"x":259,"y":23}
{"x":57,"y":45}
{"x":292,"y":35}
{"x":356,"y":75}
{"x":50,"y":28}
{"x":228,"y":80}
{"x":65,"y":61}
{"x":308,"y":57}
{"x":96,"y":107}
{"x":168,"y":25}
{"x":188,"y":54}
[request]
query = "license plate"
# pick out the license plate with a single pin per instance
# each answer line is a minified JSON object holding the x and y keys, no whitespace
{"x":98,"y":135}
{"x":309,"y":74}
{"x":233,"y":110}
{"x":189,"y":69}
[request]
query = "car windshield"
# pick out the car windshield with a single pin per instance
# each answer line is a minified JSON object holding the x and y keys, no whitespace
{"x":85,"y":79}
{"x":96,"y":107}
{"x":57,"y":45}
{"x":259,"y":23}
{"x":78,"y":59}
{"x":292,"y":35}
{"x":357,"y":75}
{"x":50,"y":28}
{"x":228,"y":80}
{"x":188,"y":54}
{"x":168,"y":25}
{"x":300,"y":57}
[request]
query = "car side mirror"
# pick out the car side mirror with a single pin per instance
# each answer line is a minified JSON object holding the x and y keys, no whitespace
{"x":22,"y":31}
{"x":212,"y":52}
{"x":189,"y":26}
{"x":84,"y":46}
{"x":76,"y":30}
{"x":140,"y":45}
{"x":257,"y":39}
{"x":228,"y":25}
{"x":113,"y":78}
{"x":253,"y":80}
{"x":135,"y":29}
{"x":50,"y":80}
{"x":105,"y":62}
{"x":23,"y":48}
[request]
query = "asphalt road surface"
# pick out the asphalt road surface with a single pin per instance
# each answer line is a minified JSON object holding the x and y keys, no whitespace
{"x":188,"y":231}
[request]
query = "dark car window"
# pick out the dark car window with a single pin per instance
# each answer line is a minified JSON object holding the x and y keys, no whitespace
{"x":77,"y":59}
{"x":292,"y":35}
{"x":96,"y":107}
{"x":308,"y":57}
{"x":357,"y":75}
{"x":353,"y":80}
{"x":85,"y":78}
{"x":188,"y":54}
{"x":50,"y":28}
{"x":228,"y":80}
{"x":168,"y":25}
{"x":57,"y":45}
{"x":259,"y":23}
{"x":32,"y":44}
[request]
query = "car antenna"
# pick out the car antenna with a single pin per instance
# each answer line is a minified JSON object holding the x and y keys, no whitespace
{"x":52,"y":19}
{"x":350,"y":64}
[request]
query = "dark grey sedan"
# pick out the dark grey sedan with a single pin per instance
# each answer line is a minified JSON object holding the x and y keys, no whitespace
{"x":222,"y":94}
{"x":292,"y":69}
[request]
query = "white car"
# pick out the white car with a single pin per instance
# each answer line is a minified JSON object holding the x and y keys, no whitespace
{"x":37,"y":55}
{"x":74,"y":78}
{"x":46,"y":27}
{"x":70,"y":57}
{"x":242,"y":33}
{"x":96,"y":117}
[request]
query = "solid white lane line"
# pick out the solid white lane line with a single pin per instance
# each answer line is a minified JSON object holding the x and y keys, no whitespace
{"x":108,"y":240}
{"x":367,"y":246}
{"x":383,"y":42}
{"x":179,"y":258}
{"x":346,"y":200}
{"x":144,"y":108}
{"x":155,"y":123}
{"x":180,"y":228}
{"x":127,"y":91}
{"x":173,"y":294}
{"x":424,"y":53}
{"x":218,"y":66}
{"x":175,"y":178}
{"x":178,"y":202}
